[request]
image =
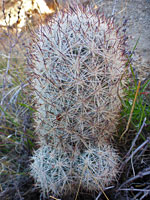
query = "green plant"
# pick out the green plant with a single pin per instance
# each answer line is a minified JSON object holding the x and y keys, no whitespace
{"x":140,"y":106}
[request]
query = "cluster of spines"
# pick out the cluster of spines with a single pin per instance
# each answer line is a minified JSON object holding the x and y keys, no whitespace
{"x":61,"y":173}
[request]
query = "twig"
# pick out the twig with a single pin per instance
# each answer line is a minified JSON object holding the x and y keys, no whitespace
{"x":54,"y":198}
{"x":135,"y":139}
{"x":137,"y":149}
{"x":144,"y":195}
{"x":100,"y":193}
{"x":133,"y":144}
{"x":137,"y":195}
{"x":132,"y":165}
{"x":134,"y":189}
{"x":139,"y":175}
{"x":142,"y":152}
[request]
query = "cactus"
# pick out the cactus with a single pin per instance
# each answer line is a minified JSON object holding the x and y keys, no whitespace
{"x":58,"y":172}
{"x":52,"y":170}
{"x":97,"y":167}
{"x":77,"y":63}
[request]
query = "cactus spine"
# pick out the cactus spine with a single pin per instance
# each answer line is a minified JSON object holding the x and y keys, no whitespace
{"x":78,"y":62}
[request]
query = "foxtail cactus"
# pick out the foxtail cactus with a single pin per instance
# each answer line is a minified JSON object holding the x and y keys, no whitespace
{"x":78,"y":62}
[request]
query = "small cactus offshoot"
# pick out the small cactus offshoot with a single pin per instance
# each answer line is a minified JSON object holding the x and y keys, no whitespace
{"x":97,"y":167}
{"x":52,"y":170}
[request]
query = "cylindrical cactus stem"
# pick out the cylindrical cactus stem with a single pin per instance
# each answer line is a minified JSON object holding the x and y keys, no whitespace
{"x":78,"y":61}
{"x":78,"y":66}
